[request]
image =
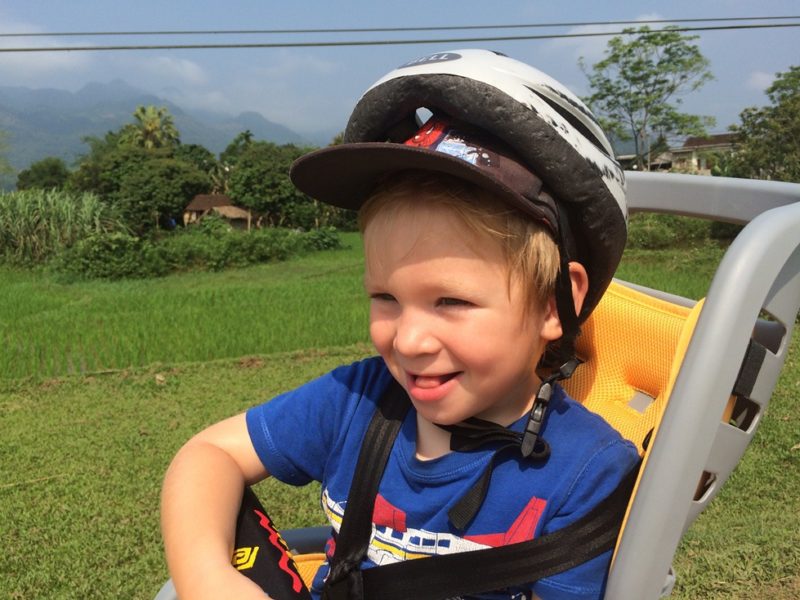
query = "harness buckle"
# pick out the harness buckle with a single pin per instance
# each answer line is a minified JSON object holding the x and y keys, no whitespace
{"x":349,"y":587}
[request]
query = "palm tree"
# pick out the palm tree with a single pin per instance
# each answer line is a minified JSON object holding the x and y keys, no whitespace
{"x":154,"y":128}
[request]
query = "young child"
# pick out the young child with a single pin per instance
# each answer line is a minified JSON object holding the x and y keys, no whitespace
{"x":470,"y":278}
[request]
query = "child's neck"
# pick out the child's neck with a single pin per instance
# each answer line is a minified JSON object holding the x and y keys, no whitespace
{"x":432,"y":440}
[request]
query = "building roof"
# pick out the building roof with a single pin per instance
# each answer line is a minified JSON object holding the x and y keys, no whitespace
{"x":717,"y":139}
{"x":232,"y":212}
{"x":205,"y":201}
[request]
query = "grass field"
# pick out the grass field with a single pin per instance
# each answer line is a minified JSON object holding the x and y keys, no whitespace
{"x":86,"y":439}
{"x":51,"y":329}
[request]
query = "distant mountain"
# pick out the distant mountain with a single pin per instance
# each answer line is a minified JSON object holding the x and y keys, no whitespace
{"x":50,"y":122}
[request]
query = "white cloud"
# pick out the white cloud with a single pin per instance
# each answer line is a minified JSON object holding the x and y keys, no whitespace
{"x":172,"y":71}
{"x":294,"y":64}
{"x":591,"y":47}
{"x":31,"y":68}
{"x":284,"y":87}
{"x":759,"y":80}
{"x":205,"y":99}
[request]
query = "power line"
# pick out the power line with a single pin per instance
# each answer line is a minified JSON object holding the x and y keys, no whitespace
{"x":381,"y":42}
{"x":385,"y":29}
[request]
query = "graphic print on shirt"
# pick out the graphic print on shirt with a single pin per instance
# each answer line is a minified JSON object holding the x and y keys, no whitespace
{"x":392,"y":541}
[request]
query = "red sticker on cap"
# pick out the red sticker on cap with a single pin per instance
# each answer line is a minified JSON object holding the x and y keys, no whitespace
{"x":430,"y":134}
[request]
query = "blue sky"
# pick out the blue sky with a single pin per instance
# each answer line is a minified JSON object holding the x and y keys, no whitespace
{"x":312,"y":89}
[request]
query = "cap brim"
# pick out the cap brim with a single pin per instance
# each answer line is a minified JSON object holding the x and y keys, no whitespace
{"x":346,"y":175}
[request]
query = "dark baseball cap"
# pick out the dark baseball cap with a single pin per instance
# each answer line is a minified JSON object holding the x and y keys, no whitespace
{"x":346,"y":175}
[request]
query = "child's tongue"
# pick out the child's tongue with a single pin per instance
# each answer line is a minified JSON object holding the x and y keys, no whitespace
{"x":428,"y":382}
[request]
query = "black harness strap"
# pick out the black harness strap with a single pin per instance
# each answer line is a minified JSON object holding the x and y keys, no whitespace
{"x":344,"y":579}
{"x":751,"y":366}
{"x":491,"y":569}
{"x":444,"y":576}
{"x":473,"y":433}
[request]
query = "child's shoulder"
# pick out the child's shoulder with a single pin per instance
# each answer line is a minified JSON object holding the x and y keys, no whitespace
{"x":570,"y":422}
{"x":362,"y":375}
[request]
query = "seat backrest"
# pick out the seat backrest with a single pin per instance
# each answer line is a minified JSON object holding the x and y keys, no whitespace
{"x":632,"y":346}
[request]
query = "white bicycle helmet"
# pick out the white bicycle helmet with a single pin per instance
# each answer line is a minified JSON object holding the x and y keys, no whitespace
{"x":574,"y":183}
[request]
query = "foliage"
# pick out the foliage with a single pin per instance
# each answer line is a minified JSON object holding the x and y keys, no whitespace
{"x":234,"y":150}
{"x":5,"y":167}
{"x":195,"y":154}
{"x":212,"y":245}
{"x":322,"y":239}
{"x":654,"y":231}
{"x":153,"y":128}
{"x":156,"y":191}
{"x":103,"y":167}
{"x":636,"y":87}
{"x":148,"y":187}
{"x":768,"y":144}
{"x":48,"y":173}
{"x":113,"y":255}
{"x":259,"y":180}
{"x":35,"y":225}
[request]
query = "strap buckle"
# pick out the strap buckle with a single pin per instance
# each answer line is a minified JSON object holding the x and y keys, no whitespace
{"x":533,"y":445}
{"x":349,"y":587}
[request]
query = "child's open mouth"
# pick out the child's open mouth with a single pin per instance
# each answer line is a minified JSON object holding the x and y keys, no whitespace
{"x":430,"y":388}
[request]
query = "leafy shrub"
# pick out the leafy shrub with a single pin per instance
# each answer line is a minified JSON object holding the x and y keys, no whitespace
{"x":724,"y":231}
{"x":112,"y":256}
{"x":653,"y":231}
{"x":322,"y":239}
{"x":649,"y":232}
{"x":209,"y":246}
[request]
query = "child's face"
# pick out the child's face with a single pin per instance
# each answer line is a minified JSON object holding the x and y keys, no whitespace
{"x":445,"y":320}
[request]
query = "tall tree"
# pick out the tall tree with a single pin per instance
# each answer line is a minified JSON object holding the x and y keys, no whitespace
{"x":153,"y":128}
{"x":236,"y":148}
{"x":259,"y":180}
{"x":768,"y":138}
{"x":637,"y":87}
{"x":197,"y":155}
{"x":48,"y":173}
{"x":156,"y":191}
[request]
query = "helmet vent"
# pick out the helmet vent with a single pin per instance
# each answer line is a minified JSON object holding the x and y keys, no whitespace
{"x":572,"y":120}
{"x":422,"y":115}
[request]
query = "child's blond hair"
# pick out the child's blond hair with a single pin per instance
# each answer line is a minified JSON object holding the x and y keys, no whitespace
{"x":530,"y":251}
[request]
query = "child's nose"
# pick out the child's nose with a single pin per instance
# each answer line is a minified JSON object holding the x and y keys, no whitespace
{"x":415,"y":335}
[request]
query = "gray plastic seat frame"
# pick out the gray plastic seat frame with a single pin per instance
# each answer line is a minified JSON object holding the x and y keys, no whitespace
{"x":759,"y":272}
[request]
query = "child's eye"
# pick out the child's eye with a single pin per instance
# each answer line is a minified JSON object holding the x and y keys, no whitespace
{"x":453,"y":302}
{"x":382,"y":297}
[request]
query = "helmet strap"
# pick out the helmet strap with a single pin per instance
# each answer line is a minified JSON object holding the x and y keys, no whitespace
{"x":564,"y":348}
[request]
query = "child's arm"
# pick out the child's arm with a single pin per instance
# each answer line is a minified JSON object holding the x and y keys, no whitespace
{"x":200,"y":501}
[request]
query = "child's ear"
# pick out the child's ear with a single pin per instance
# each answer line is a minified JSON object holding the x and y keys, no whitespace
{"x":551,"y":329}
{"x":580,"y":284}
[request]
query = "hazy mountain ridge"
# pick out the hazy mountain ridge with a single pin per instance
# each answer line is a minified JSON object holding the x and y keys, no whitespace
{"x":51,"y":122}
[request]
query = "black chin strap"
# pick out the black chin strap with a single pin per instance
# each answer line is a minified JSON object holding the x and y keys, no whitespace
{"x":473,"y":433}
{"x":564,"y":349}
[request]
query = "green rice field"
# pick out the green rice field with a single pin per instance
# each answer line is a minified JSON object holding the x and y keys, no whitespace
{"x":49,"y":328}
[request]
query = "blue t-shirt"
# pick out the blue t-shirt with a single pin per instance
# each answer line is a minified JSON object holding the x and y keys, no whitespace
{"x":315,"y":433}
